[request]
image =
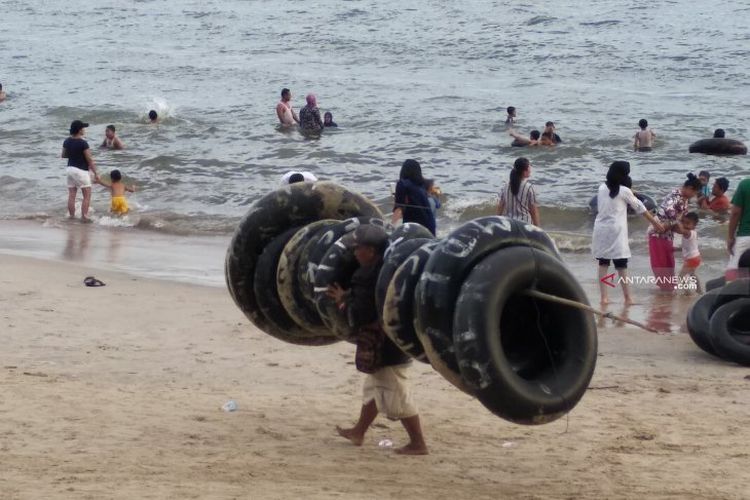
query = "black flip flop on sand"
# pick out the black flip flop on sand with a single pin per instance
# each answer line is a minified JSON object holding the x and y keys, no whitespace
{"x":91,"y":281}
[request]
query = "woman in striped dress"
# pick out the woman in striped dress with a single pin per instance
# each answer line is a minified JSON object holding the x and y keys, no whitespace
{"x":517,"y":197}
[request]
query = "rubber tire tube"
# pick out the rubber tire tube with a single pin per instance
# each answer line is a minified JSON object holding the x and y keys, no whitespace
{"x":724,"y":325}
{"x":737,"y":289}
{"x":409,"y":231}
{"x":445,"y":272}
{"x":718,"y":146}
{"x":525,"y":370}
{"x":302,"y":311}
{"x":394,"y":256}
{"x":269,"y":303}
{"x":294,"y":205}
{"x":715,"y":283}
{"x":315,"y":250}
{"x":398,"y":309}
{"x":698,"y":321}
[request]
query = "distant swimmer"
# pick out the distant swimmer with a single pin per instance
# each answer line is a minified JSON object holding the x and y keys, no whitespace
{"x":644,"y":138}
{"x":719,"y":144}
{"x":2,"y":93}
{"x":295,"y":176}
{"x":719,"y":133}
{"x":550,"y":135}
{"x":284,"y":109}
{"x":80,"y":167}
{"x":510,"y":120}
{"x":520,"y":141}
{"x":328,"y":120}
{"x":309,"y":116}
{"x":153,"y":116}
{"x":117,"y":188}
{"x":111,"y":141}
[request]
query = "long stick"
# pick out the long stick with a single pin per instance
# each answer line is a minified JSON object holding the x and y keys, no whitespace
{"x":572,"y":303}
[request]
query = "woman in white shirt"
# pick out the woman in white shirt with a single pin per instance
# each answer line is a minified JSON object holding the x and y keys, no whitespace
{"x":610,"y":239}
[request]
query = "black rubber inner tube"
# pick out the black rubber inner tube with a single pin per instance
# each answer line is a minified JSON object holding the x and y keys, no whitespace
{"x":729,"y":325}
{"x":292,"y":206}
{"x":737,"y":289}
{"x":698,"y":321}
{"x":527,"y":360}
{"x":718,"y":146}
{"x":394,"y":256}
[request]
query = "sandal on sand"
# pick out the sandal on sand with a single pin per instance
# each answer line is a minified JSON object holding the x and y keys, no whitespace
{"x":91,"y":281}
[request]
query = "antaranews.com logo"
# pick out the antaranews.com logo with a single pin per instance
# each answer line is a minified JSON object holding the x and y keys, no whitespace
{"x":677,"y":282}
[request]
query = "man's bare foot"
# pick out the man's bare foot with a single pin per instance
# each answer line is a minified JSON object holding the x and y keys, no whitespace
{"x":351,"y":435}
{"x":412,"y":449}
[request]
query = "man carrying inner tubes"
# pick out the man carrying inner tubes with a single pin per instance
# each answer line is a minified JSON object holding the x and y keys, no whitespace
{"x":385,"y":388}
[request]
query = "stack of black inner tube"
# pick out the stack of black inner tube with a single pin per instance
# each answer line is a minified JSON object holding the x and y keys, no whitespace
{"x":457,"y":303}
{"x":719,"y":322}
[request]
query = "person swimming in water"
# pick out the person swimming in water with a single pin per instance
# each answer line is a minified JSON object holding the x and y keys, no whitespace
{"x":328,"y":120}
{"x":111,"y":141}
{"x":549,"y":135}
{"x":153,"y":116}
{"x":510,"y":120}
{"x":284,"y":110}
{"x":520,"y":141}
{"x":644,"y":138}
{"x":2,"y":93}
{"x":309,"y":116}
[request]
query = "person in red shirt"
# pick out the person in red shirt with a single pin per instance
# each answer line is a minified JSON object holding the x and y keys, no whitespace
{"x":719,"y":202}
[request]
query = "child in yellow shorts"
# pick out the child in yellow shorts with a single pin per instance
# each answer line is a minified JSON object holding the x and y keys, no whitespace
{"x":119,"y":204}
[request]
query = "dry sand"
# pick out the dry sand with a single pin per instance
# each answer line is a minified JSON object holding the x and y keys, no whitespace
{"x":115,"y":392}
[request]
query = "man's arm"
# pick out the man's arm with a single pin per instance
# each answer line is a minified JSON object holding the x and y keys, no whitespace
{"x":294,"y":114}
{"x":280,"y":112}
{"x":64,"y":153}
{"x":90,"y":163}
{"x":636,"y":141}
{"x":734,"y":220}
{"x":118,"y":144}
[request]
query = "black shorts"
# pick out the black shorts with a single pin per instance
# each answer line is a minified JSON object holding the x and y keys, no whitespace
{"x":619,"y":263}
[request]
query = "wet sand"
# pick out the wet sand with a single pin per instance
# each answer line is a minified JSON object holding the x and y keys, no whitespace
{"x":115,"y":392}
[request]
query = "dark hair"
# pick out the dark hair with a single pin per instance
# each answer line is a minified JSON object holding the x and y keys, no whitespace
{"x":115,"y":175}
{"x":704,"y":173}
{"x":535,"y":135}
{"x":719,"y":133}
{"x":284,"y":91}
{"x":511,"y":109}
{"x":693,"y":182}
{"x":744,"y":262}
{"x":412,"y":170}
{"x":296,"y":177}
{"x":549,"y":124}
{"x":723,"y":183}
{"x":111,"y":127}
{"x":692,"y":216}
{"x":326,"y":114}
{"x":520,"y":166}
{"x":643,"y":123}
{"x":152,"y":115}
{"x":618,"y":175}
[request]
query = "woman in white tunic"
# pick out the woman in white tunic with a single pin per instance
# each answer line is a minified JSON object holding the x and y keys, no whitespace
{"x":610,"y":239}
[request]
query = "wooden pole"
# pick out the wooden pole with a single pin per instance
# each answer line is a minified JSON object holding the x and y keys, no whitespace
{"x":572,"y":303}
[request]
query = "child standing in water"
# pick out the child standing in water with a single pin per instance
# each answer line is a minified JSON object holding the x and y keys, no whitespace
{"x":691,"y":256}
{"x":644,"y":138}
{"x":433,"y":193}
{"x":117,"y":188}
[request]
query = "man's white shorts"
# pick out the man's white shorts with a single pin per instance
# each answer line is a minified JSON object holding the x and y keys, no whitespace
{"x":390,"y":390}
{"x":78,"y":178}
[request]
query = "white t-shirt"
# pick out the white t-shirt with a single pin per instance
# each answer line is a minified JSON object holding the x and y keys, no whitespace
{"x":307,"y":175}
{"x":610,"y":239}
{"x":690,"y":245}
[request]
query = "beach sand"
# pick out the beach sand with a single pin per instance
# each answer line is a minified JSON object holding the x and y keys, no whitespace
{"x":115,"y":392}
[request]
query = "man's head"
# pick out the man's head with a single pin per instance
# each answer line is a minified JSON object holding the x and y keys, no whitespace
{"x":109,"y":132}
{"x":369,"y":243}
{"x":115,"y":175}
{"x":719,"y":133}
{"x":286,"y":94}
{"x":643,"y":123}
{"x":690,"y":220}
{"x":511,"y":111}
{"x":704,"y":176}
{"x":720,"y":186}
{"x":534,"y":135}
{"x":550,"y":125}
{"x":77,"y":126}
{"x":152,"y":115}
{"x":296,"y":177}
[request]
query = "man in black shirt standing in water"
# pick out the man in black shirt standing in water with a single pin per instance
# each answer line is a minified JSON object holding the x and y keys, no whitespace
{"x":385,"y":387}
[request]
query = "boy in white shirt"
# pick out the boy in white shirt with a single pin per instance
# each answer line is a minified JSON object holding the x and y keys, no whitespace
{"x":691,"y":256}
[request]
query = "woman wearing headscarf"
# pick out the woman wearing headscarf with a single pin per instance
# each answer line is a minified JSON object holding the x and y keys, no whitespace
{"x":610,"y":238}
{"x":412,"y":202}
{"x":309,"y":116}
